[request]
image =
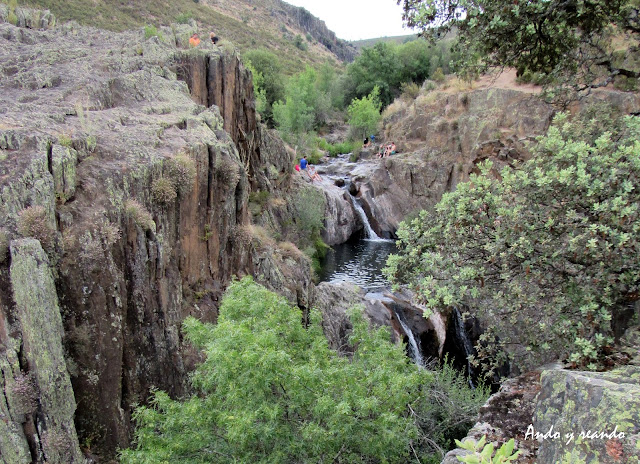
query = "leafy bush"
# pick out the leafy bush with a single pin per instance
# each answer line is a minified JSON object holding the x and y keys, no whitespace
{"x":34,"y":222}
{"x":438,"y":76}
{"x":163,"y":191}
{"x":410,"y":91}
{"x":299,"y":42}
{"x":364,"y":114}
{"x":548,"y":254}
{"x":139,"y":215}
{"x":483,"y":454}
{"x":271,"y":390}
{"x":181,"y":170}
{"x":151,"y":31}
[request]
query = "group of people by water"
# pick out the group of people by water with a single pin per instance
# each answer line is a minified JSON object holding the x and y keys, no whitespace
{"x":304,"y":166}
{"x":384,"y":151}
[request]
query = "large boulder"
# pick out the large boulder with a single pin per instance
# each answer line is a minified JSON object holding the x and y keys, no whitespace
{"x":591,"y":417}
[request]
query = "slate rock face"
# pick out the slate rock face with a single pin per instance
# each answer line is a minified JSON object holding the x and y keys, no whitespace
{"x":38,"y":313}
{"x":600,"y":409}
{"x":89,"y":121}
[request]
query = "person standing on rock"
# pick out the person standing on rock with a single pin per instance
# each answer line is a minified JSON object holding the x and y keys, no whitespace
{"x":194,"y":41}
{"x":303,"y":163}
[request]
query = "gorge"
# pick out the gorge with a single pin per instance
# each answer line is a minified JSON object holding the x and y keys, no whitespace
{"x":93,"y":297}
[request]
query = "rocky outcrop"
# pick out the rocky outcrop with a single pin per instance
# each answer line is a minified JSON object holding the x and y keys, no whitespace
{"x":89,"y":139}
{"x":593,"y":417}
{"x":317,"y":28}
{"x":40,"y":398}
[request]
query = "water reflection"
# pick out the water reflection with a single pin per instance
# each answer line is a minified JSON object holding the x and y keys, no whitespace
{"x":358,"y":261}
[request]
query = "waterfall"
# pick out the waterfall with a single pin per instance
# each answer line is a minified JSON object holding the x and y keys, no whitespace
{"x":371,"y":234}
{"x":414,"y":345}
{"x":461,"y":335}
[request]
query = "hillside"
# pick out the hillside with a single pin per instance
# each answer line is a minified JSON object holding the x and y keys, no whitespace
{"x":271,"y":24}
{"x":399,"y":39}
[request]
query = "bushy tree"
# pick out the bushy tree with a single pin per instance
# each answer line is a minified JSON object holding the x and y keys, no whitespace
{"x":570,"y":39}
{"x":271,"y":391}
{"x":547,"y":254}
{"x":268,"y":65}
{"x":297,"y":114}
{"x":364,"y":114}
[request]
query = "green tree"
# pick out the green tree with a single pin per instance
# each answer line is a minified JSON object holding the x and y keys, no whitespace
{"x":259,"y":91}
{"x":547,"y":255}
{"x":272,"y":391}
{"x":267,"y":64}
{"x":567,"y":38}
{"x":297,"y":114}
{"x":364,"y":114}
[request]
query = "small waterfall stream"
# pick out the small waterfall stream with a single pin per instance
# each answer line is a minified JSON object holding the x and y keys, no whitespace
{"x":467,"y":346}
{"x":371,"y":234}
{"x":415,"y":352}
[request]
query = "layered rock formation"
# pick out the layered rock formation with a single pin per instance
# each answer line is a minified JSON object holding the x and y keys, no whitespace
{"x":90,"y":123}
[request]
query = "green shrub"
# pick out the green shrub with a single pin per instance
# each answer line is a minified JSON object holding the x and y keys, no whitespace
{"x":483,"y":454}
{"x":139,"y":215}
{"x":34,"y":222}
{"x":163,"y":191}
{"x":271,"y":390}
{"x":12,"y":18}
{"x":547,"y":256}
{"x":364,"y":114}
{"x":438,"y":76}
{"x":309,"y":37}
{"x":184,"y":18}
{"x":260,"y":198}
{"x":65,"y":141}
{"x":410,"y":91}
{"x":151,"y":31}
{"x":181,"y":170}
{"x":4,"y":245}
{"x":299,"y":42}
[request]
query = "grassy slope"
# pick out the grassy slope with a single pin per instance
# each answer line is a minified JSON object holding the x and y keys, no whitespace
{"x":400,"y":39}
{"x":244,"y":24}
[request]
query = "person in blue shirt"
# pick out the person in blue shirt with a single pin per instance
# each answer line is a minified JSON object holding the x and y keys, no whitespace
{"x":303,"y":163}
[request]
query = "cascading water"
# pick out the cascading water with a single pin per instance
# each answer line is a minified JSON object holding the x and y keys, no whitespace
{"x":415,"y":351}
{"x":463,"y":339}
{"x":371,"y":234}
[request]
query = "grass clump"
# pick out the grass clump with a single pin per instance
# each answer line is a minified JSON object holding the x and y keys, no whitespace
{"x":65,"y":140}
{"x":181,"y":171}
{"x":33,"y":222}
{"x":410,"y":91}
{"x":163,"y":191}
{"x":227,"y":172}
{"x":139,"y":215}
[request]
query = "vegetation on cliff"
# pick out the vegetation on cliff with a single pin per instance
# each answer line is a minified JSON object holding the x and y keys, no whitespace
{"x":569,"y":41}
{"x":271,"y":390}
{"x":547,"y":254}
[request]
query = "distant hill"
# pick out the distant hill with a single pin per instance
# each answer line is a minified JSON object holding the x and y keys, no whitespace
{"x":400,"y":39}
{"x":296,"y":36}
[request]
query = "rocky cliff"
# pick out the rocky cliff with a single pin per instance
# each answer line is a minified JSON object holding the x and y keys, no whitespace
{"x":130,"y":162}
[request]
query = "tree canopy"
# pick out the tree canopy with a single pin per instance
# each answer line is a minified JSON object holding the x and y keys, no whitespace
{"x":569,"y":39}
{"x":547,"y":254}
{"x":272,"y":391}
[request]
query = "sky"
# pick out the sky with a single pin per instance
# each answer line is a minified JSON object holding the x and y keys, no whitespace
{"x":358,"y":19}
